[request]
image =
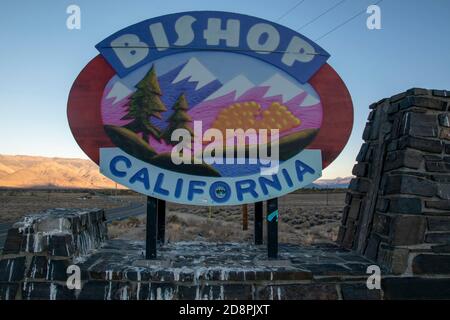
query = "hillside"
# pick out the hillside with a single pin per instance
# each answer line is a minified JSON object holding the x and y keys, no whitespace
{"x":43,"y":172}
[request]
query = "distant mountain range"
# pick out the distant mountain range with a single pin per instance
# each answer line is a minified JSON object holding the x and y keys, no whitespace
{"x":336,"y":183}
{"x":44,"y":172}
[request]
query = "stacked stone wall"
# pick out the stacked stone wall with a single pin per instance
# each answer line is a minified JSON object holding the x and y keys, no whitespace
{"x":398,"y":208}
{"x":39,"y":249}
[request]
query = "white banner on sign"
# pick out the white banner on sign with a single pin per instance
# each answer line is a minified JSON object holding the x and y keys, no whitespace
{"x":295,"y":173}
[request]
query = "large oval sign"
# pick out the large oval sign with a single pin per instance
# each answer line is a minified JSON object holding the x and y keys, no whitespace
{"x":210,"y":108}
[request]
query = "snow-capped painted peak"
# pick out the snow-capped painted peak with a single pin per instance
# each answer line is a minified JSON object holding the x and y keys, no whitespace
{"x":278,"y":85}
{"x":309,"y":101}
{"x":195,"y":71}
{"x":118,"y":92}
{"x":239,"y":84}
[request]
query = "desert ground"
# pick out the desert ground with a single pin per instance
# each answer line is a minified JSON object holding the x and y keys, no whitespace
{"x":15,"y":203}
{"x":305,"y":217}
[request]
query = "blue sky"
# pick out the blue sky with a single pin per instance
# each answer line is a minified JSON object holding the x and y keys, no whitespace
{"x":40,"y":57}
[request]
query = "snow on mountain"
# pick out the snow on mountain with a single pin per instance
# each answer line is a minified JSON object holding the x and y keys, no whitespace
{"x":239,"y":85}
{"x":118,"y":92}
{"x":194,"y":71}
{"x":278,"y":85}
{"x":309,"y":101}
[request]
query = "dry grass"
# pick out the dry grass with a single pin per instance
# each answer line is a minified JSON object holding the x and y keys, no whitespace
{"x":305,"y":218}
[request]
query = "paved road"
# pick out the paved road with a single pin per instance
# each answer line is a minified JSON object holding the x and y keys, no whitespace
{"x":133,"y":209}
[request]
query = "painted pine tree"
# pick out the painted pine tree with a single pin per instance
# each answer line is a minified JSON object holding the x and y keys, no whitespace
{"x":178,"y":120}
{"x":145,"y":103}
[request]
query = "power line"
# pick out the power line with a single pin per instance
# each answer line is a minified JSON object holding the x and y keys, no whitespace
{"x":343,"y":23}
{"x":321,"y":15}
{"x":289,"y":11}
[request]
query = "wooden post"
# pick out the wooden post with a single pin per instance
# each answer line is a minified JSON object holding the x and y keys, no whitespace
{"x":259,"y":222}
{"x":272,"y":228}
{"x":161,"y":221}
{"x":152,"y":221}
{"x":244,"y":217}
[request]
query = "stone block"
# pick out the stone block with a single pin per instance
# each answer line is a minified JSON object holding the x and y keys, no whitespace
{"x":440,"y":178}
{"x":441,"y":93}
{"x":362,"y":152}
{"x":8,"y":291}
{"x":372,"y":248}
{"x":444,"y":120}
{"x":349,"y":235}
{"x":407,"y":230}
{"x":431,"y":264}
{"x":418,"y":92}
{"x":395,"y":260}
{"x":348,"y":198}
{"x":57,"y":270}
{"x":441,"y":248}
{"x":98,"y":290}
{"x":382,"y":204}
{"x":61,"y":245}
{"x":160,"y":291}
{"x":359,"y":291}
{"x":405,"y":205}
{"x":403,"y":288}
{"x":237,"y":292}
{"x":360,"y":169}
{"x":38,"y":268}
{"x":47,"y":291}
{"x":445,"y":133}
{"x":443,"y":191}
{"x":438,"y":204}
{"x":428,"y":145}
{"x":438,"y":237}
{"x":439,"y":224}
{"x":422,"y":102}
{"x":381,"y":224}
{"x":305,"y":291}
{"x":367,"y":132}
{"x":12,"y":269}
{"x":403,"y":159}
{"x":397,"y":97}
{"x":437,"y":166}
{"x":354,"y":210}
{"x":406,"y":184}
{"x":420,"y":125}
{"x":341,"y":233}
{"x":13,"y":242}
{"x":359,"y":185}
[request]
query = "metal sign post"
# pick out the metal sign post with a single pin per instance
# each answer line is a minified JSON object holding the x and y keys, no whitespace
{"x":244,"y":217}
{"x":161,"y":221}
{"x":151,"y":230}
{"x":258,"y":222}
{"x":272,"y":228}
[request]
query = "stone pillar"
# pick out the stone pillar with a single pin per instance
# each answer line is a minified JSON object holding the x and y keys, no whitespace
{"x":39,"y":249}
{"x":398,"y":206}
